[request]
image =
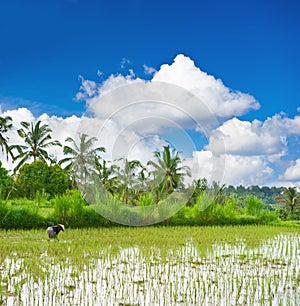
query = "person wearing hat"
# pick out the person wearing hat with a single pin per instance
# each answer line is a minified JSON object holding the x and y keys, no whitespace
{"x":54,"y":230}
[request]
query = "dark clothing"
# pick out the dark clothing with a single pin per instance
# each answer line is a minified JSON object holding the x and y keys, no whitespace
{"x":53,"y":231}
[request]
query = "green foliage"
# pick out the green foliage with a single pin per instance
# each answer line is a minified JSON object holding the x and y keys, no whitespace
{"x":58,"y":181}
{"x":68,"y":208}
{"x":6,"y":182}
{"x":254,"y":206}
{"x":205,"y":204}
{"x":290,"y":197}
{"x":5,"y":126}
{"x":39,"y":177}
{"x":37,"y":138}
{"x":3,"y":212}
{"x":41,"y":197}
{"x":146,"y":200}
{"x":81,"y":158}
{"x":168,"y":172}
{"x":208,"y":211}
{"x":269,"y":217}
{"x":264,"y":193}
{"x":197,"y":187}
{"x":20,"y":218}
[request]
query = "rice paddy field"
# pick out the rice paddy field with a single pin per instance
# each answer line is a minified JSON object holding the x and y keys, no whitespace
{"x":242,"y":265}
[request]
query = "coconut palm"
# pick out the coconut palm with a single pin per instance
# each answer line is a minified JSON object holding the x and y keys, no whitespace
{"x":218,"y":193}
{"x":37,"y":138}
{"x":5,"y":126}
{"x":107,"y":174}
{"x":290,"y":198}
{"x":82,"y":156}
{"x":167,"y":170}
{"x":197,"y":188}
{"x":128,"y":179}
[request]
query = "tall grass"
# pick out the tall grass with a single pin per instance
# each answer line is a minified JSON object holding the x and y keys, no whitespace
{"x":73,"y":210}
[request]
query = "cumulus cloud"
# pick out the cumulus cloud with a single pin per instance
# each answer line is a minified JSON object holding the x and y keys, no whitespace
{"x":231,"y":169}
{"x":132,"y":118}
{"x":211,"y":93}
{"x":255,"y":138}
{"x":292,"y":173}
{"x":179,"y":95}
{"x":247,"y":138}
{"x":222,"y":101}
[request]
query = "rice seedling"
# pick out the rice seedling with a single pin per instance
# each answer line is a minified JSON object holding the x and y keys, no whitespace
{"x":152,"y":266}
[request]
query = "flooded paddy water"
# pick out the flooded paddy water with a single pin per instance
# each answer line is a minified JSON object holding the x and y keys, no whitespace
{"x":226,"y":274}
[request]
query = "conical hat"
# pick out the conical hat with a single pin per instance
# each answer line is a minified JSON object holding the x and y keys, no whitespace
{"x":62,"y":226}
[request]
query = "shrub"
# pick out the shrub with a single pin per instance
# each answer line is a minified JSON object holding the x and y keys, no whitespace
{"x":68,"y":208}
{"x":146,"y":200}
{"x":21,"y":218}
{"x":254,"y":206}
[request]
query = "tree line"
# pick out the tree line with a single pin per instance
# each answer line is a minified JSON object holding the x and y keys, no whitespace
{"x":129,"y":181}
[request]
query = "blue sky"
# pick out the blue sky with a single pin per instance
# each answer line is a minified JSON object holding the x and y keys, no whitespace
{"x":252,"y":46}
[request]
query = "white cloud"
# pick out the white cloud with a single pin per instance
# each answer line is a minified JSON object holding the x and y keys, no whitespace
{"x":269,"y":138}
{"x":130,"y":117}
{"x":182,"y":85}
{"x":221,"y":101}
{"x":149,"y":70}
{"x":231,"y":169}
{"x":247,"y":138}
{"x":88,"y":89}
{"x":292,"y":173}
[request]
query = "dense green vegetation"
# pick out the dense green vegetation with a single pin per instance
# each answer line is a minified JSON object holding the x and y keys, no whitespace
{"x":42,"y":190}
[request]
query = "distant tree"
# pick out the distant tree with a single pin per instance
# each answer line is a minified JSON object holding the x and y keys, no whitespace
{"x":290,"y":198}
{"x":37,"y":138}
{"x":40,"y":177}
{"x":128,"y":179}
{"x":5,"y":126}
{"x":107,"y":173}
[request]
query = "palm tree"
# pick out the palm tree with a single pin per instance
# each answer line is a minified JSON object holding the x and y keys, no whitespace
{"x":37,"y":138}
{"x":107,"y":174}
{"x":289,"y":197}
{"x":168,"y":171}
{"x":5,"y":126}
{"x":218,"y":193}
{"x":197,"y":188}
{"x":128,"y":179}
{"x":82,"y":156}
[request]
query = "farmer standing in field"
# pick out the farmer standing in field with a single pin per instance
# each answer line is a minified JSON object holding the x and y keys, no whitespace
{"x":54,"y":230}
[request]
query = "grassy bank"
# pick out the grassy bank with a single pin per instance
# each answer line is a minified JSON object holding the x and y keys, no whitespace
{"x":71,"y":210}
